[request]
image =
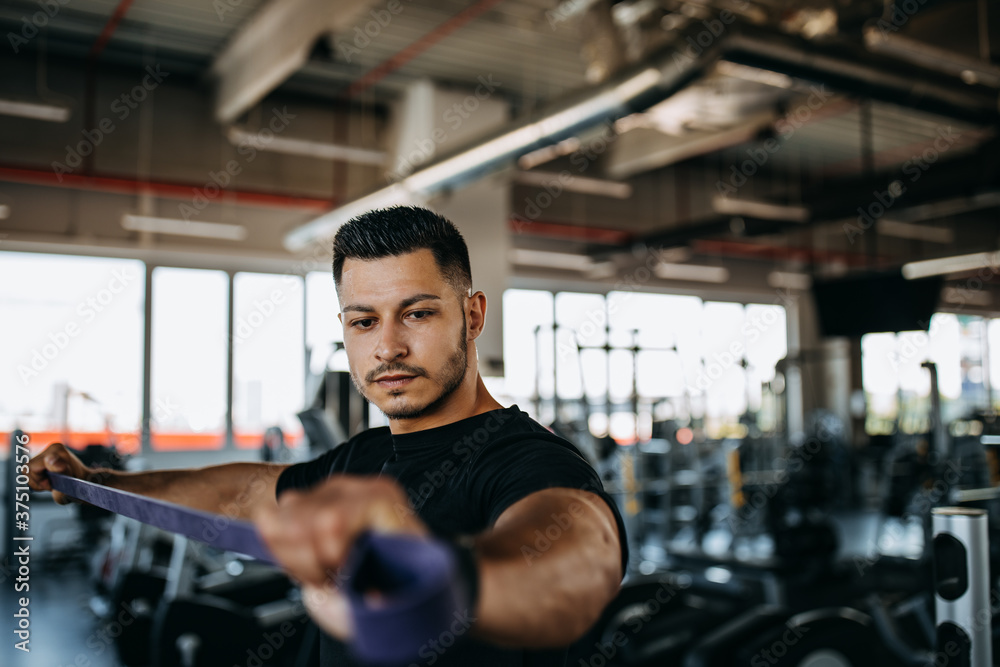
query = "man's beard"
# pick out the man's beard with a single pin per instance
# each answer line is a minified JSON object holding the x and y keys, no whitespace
{"x":453,"y":375}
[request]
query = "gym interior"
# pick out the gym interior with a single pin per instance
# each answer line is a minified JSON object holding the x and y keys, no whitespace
{"x":743,"y":254}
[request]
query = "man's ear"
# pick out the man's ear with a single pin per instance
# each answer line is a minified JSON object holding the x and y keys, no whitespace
{"x":475,"y":314}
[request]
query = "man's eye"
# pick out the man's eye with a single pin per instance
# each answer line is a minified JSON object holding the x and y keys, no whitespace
{"x":362,"y":324}
{"x":420,"y":314}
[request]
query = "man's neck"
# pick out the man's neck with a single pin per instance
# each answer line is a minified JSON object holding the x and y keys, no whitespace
{"x":462,"y":404}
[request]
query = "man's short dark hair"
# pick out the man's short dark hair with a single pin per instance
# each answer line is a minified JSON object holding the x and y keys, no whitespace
{"x":395,"y":231}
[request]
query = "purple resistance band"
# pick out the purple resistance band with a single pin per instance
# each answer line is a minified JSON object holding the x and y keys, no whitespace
{"x":416,"y":579}
{"x":214,"y":529}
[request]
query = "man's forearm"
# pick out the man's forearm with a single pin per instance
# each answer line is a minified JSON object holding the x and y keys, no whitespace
{"x":232,"y":489}
{"x":546,"y":575}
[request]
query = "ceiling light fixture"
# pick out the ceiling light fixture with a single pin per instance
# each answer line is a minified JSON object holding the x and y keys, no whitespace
{"x":548,"y":153}
{"x":581,"y":184}
{"x":957,"y":264}
{"x":693,"y":272}
{"x":34,"y":110}
{"x":307,"y":148}
{"x":789,"y":280}
{"x":207,"y":230}
{"x":552,"y":260}
{"x":907,"y":230}
{"x":759,"y":209}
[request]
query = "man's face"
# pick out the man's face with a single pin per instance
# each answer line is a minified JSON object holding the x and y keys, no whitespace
{"x":405,"y":333}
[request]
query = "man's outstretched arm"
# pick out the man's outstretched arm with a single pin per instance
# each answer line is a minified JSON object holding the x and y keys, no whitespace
{"x":529,"y":597}
{"x":549,"y":566}
{"x":233,"y":489}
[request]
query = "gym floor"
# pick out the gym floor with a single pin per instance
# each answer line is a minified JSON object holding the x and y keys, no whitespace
{"x":68,"y":634}
{"x":65,"y":632}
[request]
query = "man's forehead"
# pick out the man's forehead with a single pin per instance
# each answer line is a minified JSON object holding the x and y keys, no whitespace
{"x":418,"y":267}
{"x":391,"y":280}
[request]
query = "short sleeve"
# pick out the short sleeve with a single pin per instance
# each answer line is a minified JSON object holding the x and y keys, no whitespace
{"x":308,"y":473}
{"x":514,"y":468}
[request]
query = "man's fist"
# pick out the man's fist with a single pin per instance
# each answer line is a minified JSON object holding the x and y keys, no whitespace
{"x":55,"y":458}
{"x":310,"y":534}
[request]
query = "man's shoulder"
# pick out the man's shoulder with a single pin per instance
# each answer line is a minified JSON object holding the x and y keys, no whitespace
{"x":511,"y":424}
{"x":513,"y":420}
{"x":516,"y":429}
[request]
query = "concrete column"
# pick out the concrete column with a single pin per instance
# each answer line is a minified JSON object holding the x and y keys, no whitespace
{"x":823,"y":377}
{"x":429,"y":122}
{"x":481,"y":212}
{"x":793,"y":372}
{"x":857,"y":422}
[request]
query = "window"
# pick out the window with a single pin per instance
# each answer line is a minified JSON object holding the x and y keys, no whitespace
{"x":323,"y":329}
{"x":665,"y":328}
{"x":582,"y":321}
{"x":189,"y":358}
{"x":897,"y":388}
{"x":75,"y":333}
{"x":528,"y":348}
{"x":268,"y":356}
{"x":72,"y":336}
{"x":665,"y":356}
{"x":722,"y":377}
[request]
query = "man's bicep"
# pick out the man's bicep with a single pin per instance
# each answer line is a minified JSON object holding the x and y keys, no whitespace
{"x":574,"y":502}
{"x":554,"y":512}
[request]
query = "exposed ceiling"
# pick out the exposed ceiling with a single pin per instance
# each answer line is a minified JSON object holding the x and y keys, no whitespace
{"x":512,"y":39}
{"x":675,"y":158}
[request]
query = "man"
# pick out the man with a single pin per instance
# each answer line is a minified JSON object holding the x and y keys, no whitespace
{"x":548,"y":544}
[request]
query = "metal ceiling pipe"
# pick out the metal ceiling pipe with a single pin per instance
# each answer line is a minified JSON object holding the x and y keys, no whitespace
{"x":641,"y":86}
{"x":852,"y":68}
{"x":933,"y":57}
{"x":635,"y":89}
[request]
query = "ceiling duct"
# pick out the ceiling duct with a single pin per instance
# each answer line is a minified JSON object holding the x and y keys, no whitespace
{"x":843,"y":67}
{"x":970,"y":70}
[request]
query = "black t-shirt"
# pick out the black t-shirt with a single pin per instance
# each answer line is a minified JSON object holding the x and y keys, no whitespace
{"x":460,"y":478}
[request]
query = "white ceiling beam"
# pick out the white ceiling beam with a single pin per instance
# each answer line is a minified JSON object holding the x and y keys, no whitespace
{"x":644,"y":149}
{"x":274,"y":44}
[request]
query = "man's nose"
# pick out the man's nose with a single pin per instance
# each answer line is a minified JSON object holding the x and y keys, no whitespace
{"x":392,"y":342}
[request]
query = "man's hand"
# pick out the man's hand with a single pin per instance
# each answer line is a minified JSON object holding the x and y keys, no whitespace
{"x":55,"y":458}
{"x":310,"y":534}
